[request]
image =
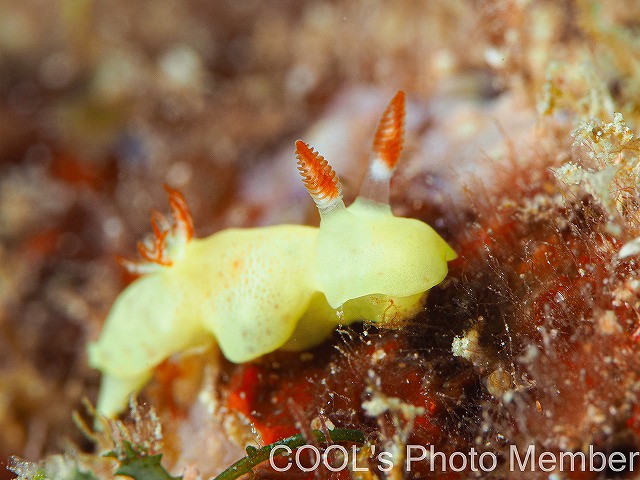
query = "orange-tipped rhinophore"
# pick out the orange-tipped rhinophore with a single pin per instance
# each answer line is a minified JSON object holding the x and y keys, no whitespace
{"x":318,"y":176}
{"x":388,"y":140}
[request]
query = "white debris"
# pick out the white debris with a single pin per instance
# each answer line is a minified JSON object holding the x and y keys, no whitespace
{"x":608,"y":323}
{"x":630,"y":248}
{"x":380,"y":404}
{"x":466,"y":346}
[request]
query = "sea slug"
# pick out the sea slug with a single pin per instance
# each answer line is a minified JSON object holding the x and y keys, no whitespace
{"x":256,"y":290}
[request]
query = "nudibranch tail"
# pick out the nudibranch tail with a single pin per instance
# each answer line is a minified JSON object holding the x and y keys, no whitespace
{"x":385,"y":151}
{"x":319,"y":178}
{"x":168,"y":239}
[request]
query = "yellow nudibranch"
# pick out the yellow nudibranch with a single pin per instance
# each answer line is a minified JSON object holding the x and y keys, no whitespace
{"x":253,"y":291}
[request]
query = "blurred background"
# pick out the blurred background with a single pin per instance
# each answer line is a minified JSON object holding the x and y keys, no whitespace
{"x":103,"y":101}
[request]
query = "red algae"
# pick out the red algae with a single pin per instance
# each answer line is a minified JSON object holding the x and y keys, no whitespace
{"x":539,"y":282}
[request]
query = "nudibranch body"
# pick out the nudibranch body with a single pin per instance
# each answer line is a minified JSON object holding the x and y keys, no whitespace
{"x":253,"y":291}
